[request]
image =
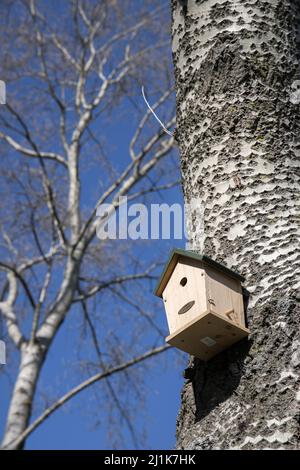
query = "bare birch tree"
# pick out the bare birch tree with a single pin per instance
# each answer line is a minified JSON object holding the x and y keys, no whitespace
{"x":69,"y":70}
{"x":237,"y":84}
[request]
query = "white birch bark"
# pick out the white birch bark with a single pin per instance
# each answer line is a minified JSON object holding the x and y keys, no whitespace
{"x":23,"y":393}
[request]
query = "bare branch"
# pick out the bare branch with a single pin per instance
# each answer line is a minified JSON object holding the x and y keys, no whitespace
{"x":46,"y":181}
{"x":153,"y":189}
{"x":137,"y":307}
{"x":28,"y":264}
{"x":7,"y":309}
{"x":143,"y":121}
{"x":155,"y":115}
{"x":79,"y":388}
{"x":66,"y":54}
{"x":101,"y":363}
{"x":127,"y":181}
{"x":118,"y":280}
{"x":39,"y":305}
{"x":32,"y":153}
{"x":18,"y":275}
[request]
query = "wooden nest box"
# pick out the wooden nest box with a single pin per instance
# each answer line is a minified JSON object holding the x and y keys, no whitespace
{"x":204,"y":304}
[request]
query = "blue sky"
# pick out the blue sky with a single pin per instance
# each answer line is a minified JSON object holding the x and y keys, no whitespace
{"x":71,"y":427}
{"x":83,"y":423}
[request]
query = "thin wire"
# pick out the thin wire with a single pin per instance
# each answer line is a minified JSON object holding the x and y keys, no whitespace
{"x":155,"y":115}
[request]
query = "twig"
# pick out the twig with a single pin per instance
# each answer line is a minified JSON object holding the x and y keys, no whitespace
{"x":155,"y":115}
{"x":79,"y":388}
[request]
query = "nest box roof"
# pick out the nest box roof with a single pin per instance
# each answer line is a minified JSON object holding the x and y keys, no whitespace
{"x":173,"y":260}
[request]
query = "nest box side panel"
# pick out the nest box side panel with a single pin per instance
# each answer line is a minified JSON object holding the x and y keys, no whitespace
{"x":224,"y":295}
{"x":184,"y":295}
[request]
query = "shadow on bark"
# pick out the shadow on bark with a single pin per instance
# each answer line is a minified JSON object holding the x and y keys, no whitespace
{"x":216,"y":380}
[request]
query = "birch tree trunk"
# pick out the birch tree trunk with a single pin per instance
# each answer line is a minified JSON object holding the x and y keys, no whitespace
{"x":238,"y":126}
{"x":33,"y":355}
{"x":19,"y":413}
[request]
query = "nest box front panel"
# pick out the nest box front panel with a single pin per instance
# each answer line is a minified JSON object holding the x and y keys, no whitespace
{"x":184,"y":295}
{"x":224,"y":295}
